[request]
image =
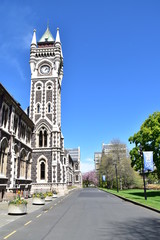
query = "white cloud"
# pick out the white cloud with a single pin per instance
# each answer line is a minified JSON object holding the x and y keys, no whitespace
{"x":89,"y":160}
{"x":87,"y":165}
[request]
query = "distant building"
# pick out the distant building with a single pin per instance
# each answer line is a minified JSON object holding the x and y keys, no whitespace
{"x":107,"y":149}
{"x":97,"y":160}
{"x":113,"y":148}
{"x":15,"y":146}
{"x":76,"y":175}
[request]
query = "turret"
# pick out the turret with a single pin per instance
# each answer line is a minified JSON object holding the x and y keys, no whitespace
{"x":34,"y":42}
{"x":59,"y":55}
{"x":33,"y":51}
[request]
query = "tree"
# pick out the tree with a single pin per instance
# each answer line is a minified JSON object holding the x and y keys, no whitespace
{"x":149,"y":138}
{"x":90,"y":178}
{"x":116,"y":160}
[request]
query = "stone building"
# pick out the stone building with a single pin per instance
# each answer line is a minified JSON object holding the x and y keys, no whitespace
{"x":74,"y":153}
{"x":49,"y":167}
{"x":15,"y":146}
{"x":32,"y":147}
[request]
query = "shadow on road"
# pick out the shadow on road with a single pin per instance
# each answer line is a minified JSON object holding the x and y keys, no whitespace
{"x":143,"y":229}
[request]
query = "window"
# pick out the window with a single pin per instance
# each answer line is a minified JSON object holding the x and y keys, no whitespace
{"x":3,"y":157}
{"x":42,"y":171}
{"x":38,"y":108}
{"x":4,"y":116}
{"x":76,"y":178}
{"x":76,"y":167}
{"x":49,"y":107}
{"x":28,"y":166}
{"x":40,"y":139}
{"x":43,"y":137}
{"x":15,"y":123}
{"x":22,"y":164}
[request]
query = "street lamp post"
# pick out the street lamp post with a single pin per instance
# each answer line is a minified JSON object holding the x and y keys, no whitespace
{"x":141,"y":154}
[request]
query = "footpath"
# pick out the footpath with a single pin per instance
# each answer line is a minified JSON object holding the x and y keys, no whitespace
{"x":5,"y":218}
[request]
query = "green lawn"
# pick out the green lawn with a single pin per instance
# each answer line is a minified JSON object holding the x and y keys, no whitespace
{"x":137,"y":195}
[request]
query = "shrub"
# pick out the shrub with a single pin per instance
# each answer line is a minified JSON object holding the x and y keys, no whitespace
{"x":39,"y":195}
{"x":18,"y":201}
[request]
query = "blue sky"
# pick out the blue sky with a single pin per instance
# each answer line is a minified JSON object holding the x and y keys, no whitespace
{"x":111,"y":54}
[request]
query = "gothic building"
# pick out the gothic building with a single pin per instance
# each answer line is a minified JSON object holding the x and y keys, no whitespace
{"x":75,"y":176}
{"x":15,"y":146}
{"x":49,"y":167}
{"x":32,"y":147}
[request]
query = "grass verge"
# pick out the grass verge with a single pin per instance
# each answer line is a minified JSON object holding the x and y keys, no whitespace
{"x":137,"y":195}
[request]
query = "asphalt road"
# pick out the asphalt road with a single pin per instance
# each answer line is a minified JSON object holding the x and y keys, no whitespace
{"x":84,"y":215}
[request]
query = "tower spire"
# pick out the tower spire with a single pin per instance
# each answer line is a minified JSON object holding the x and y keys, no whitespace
{"x":34,"y":42}
{"x":58,"y":36}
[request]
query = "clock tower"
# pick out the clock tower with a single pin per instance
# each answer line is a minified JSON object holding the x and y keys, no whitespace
{"x":46,"y":64}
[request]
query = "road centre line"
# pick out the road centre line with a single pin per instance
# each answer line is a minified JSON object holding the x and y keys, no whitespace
{"x":27,"y":223}
{"x":38,"y":215}
{"x":51,"y":207}
{"x":46,"y":211}
{"x":9,"y":235}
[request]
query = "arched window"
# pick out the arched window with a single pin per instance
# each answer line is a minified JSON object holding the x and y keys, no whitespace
{"x":40,"y":139}
{"x":15,"y":162}
{"x":43,"y":137}
{"x":23,"y":164}
{"x":42,"y":171}
{"x":3,"y":157}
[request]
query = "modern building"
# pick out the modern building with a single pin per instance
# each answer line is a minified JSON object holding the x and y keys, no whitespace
{"x":115,"y":148}
{"x":15,"y":146}
{"x":118,"y":149}
{"x":97,"y":160}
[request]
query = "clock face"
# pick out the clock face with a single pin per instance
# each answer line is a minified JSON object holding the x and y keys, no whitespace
{"x":45,"y":69}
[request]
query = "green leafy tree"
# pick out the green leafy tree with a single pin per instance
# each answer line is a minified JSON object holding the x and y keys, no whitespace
{"x":117,"y":156}
{"x":149,"y":138}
